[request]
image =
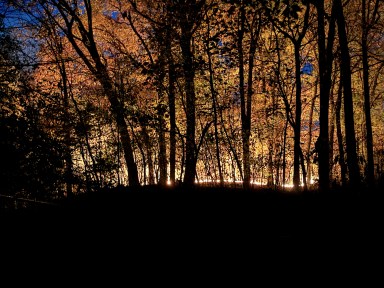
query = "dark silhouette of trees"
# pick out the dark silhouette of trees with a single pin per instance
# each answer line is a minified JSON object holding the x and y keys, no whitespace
{"x":157,"y":68}
{"x":190,"y":15}
{"x":249,"y":29}
{"x":31,"y":159}
{"x":295,"y":30}
{"x":208,"y":91}
{"x":78,"y":28}
{"x":212,"y":51}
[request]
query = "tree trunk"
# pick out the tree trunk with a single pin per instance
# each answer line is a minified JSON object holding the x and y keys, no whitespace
{"x":310,"y":123}
{"x":367,"y":105}
{"x":172,"y":108}
{"x":67,"y":130}
{"x":214,"y":106}
{"x":352,"y":161}
{"x":325,"y":69}
{"x":297,"y":127}
{"x":340,"y":141}
{"x":240,"y":36}
{"x":148,"y":147}
{"x":245,"y":98}
{"x":118,"y":113}
{"x":331,"y":129}
{"x":284,"y":149}
{"x":161,"y":123}
{"x":189,"y":77}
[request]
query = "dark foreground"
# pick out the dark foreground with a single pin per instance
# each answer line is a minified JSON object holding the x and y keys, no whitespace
{"x":198,"y":236}
{"x":173,"y":235}
{"x":153,"y":213}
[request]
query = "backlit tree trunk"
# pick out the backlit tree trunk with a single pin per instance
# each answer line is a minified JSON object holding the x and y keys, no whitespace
{"x":352,"y":161}
{"x":325,"y":71}
{"x":367,"y":102}
{"x":189,"y":76}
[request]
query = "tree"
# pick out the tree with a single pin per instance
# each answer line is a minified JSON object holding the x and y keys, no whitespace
{"x":352,"y":160}
{"x":249,"y":21}
{"x":157,"y":54}
{"x":56,"y":46}
{"x":76,"y":23}
{"x":30,"y":165}
{"x":368,"y":20}
{"x":295,"y":32}
{"x":325,"y":47}
{"x":189,"y":15}
{"x":210,"y":43}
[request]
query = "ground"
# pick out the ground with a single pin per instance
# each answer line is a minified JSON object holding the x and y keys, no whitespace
{"x":251,"y":214}
{"x":174,"y":235}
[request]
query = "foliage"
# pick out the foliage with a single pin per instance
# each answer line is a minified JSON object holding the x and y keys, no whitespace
{"x":31,"y":159}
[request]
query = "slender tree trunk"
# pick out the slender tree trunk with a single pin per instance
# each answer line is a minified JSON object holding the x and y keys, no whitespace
{"x":325,"y":69}
{"x":284,"y":151}
{"x":161,"y":124}
{"x":331,"y":130}
{"x":118,"y":113}
{"x":172,"y":108}
{"x":248,"y":108}
{"x":214,"y":106}
{"x":296,"y":39}
{"x":142,"y":146}
{"x":297,"y":127}
{"x":310,"y":123}
{"x":270,"y":166}
{"x":218,"y":157}
{"x":231,"y":147}
{"x":302,"y":164}
{"x":340,"y":141}
{"x":245,"y":98}
{"x":352,"y":162}
{"x":149,"y":154}
{"x":277,"y":170}
{"x":67,"y":131}
{"x":367,"y":105}
{"x":240,"y":52}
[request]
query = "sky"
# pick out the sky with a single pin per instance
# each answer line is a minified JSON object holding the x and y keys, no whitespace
{"x":15,"y":22}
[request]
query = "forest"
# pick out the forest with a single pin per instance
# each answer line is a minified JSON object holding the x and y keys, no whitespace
{"x":280,"y":94}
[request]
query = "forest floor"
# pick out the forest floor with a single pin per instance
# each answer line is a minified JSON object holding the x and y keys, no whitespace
{"x":206,"y":229}
{"x":252,"y":214}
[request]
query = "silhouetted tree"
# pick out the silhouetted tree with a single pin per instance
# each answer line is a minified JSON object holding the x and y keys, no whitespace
{"x":75,"y":21}
{"x":325,"y":48}
{"x":352,"y":160}
{"x":31,"y":160}
{"x":368,"y":20}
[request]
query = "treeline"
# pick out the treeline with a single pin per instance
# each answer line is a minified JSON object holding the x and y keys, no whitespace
{"x":105,"y":93}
